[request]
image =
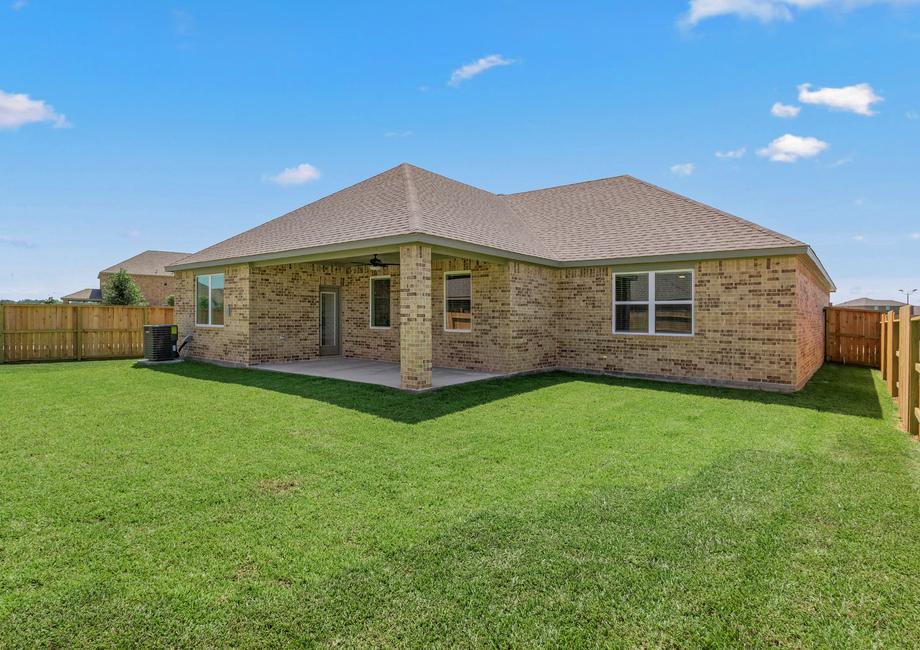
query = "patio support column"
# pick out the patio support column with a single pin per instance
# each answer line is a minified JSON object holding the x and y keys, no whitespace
{"x":415,"y":316}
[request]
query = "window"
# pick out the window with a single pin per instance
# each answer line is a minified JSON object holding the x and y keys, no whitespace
{"x":380,"y":302}
{"x":656,"y":302}
{"x":458,"y":301}
{"x":209,"y":299}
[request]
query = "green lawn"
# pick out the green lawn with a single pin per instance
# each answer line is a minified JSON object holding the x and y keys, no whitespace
{"x":198,"y":506}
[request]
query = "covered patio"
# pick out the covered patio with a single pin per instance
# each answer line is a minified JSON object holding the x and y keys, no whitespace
{"x":367,"y":371}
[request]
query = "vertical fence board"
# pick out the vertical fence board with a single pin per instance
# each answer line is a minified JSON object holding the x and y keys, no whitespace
{"x":65,"y":332}
{"x":907,"y":376}
{"x":893,"y":358}
{"x":901,"y":365}
{"x":853,"y":336}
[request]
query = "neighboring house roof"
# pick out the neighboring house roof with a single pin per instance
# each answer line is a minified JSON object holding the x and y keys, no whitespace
{"x":147,"y":263}
{"x":84,"y":294}
{"x":612,"y":219}
{"x":870,"y":302}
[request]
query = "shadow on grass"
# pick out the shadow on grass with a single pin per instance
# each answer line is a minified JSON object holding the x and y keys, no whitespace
{"x":845,"y":390}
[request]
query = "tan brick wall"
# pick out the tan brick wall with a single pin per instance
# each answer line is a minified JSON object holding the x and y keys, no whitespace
{"x":485,"y":346}
{"x":358,"y":339}
{"x":757,"y":320}
{"x":811,"y":297}
{"x":154,"y":287}
{"x":533,"y":339}
{"x":744,"y":321}
{"x":415,"y":352}
{"x":231,"y":343}
{"x":285,"y":312}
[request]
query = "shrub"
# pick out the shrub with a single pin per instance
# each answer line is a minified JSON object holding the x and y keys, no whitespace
{"x":170,"y":301}
{"x":121,"y":289}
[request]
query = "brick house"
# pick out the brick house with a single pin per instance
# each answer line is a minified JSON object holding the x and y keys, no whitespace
{"x":149,"y":272}
{"x":871,"y":304}
{"x":83,"y":297}
{"x":612,"y":276}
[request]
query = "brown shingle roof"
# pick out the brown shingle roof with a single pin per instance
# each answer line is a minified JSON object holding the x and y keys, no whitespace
{"x":624,"y":217}
{"x":613,"y":218}
{"x":147,"y":263}
{"x":84,"y":294}
{"x":870,"y":302}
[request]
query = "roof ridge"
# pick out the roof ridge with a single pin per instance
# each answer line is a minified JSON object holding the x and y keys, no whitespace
{"x":452,"y":180}
{"x":412,"y":204}
{"x":751,"y":224}
{"x":557,"y":187}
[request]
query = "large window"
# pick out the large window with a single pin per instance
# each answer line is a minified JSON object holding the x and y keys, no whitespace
{"x":380,"y":302}
{"x":654,"y":302}
{"x":458,"y":301}
{"x":209,"y":299}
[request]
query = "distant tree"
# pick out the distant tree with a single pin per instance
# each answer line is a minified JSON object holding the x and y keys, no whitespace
{"x":170,"y":301}
{"x":30,"y":301}
{"x":121,"y":289}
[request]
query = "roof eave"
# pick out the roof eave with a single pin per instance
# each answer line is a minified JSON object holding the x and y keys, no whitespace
{"x":318,"y":252}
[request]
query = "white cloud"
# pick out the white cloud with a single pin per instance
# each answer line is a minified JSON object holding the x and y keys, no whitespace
{"x":18,"y":4}
{"x":912,"y":115}
{"x":397,"y":134}
{"x":17,"y":109}
{"x":183,"y":22}
{"x":733,"y":154}
{"x":789,"y":148}
{"x":762,"y":10}
{"x":859,"y":237}
{"x":846,"y":160}
{"x":768,"y":10}
{"x":784,"y":110}
{"x":470,"y":70}
{"x":16,"y":243}
{"x":302,"y":173}
{"x":856,"y":99}
{"x":683,"y":169}
{"x":915,"y":235}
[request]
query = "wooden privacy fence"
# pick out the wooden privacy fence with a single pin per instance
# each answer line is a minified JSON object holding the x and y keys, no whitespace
{"x":900,"y":364}
{"x":853,"y":336}
{"x":75,"y":332}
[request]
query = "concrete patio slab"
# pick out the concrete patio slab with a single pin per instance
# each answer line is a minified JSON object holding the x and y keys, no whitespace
{"x":366,"y":371}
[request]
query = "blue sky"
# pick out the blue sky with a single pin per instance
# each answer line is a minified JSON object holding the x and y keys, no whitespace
{"x":131,"y":126}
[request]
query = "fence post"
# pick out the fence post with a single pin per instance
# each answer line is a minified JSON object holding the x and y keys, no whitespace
{"x":2,"y":335}
{"x":894,"y":339}
{"x":908,"y":383}
{"x":78,"y":326}
{"x":883,"y":345}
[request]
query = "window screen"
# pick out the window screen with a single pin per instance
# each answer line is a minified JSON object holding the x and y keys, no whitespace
{"x":458,"y":301}
{"x":380,"y":302}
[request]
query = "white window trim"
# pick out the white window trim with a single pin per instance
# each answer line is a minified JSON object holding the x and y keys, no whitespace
{"x":209,"y":325}
{"x":370,"y":302}
{"x":444,"y":301}
{"x":651,"y":303}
